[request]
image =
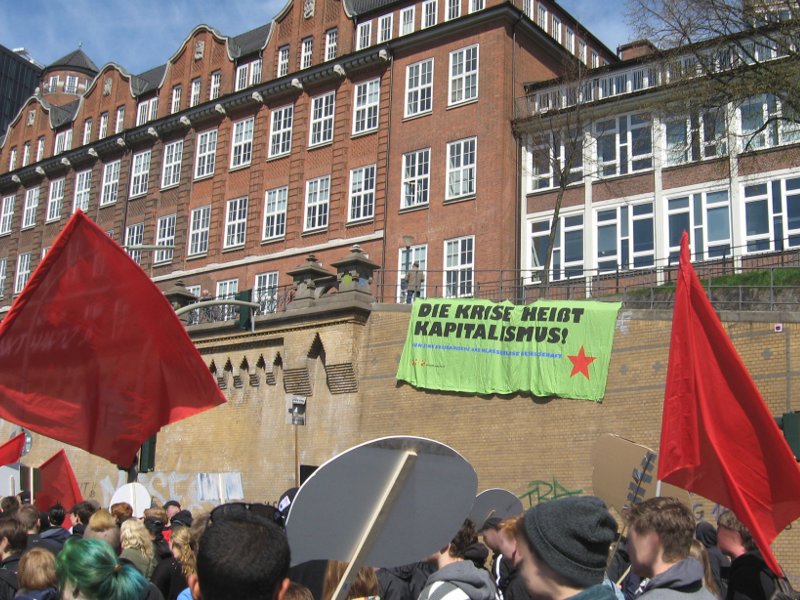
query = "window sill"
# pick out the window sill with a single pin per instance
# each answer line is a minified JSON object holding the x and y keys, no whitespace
{"x":272,"y":240}
{"x":279,"y":156}
{"x":414,"y":208}
{"x":53,"y":220}
{"x":320,"y":145}
{"x":170,"y":186}
{"x":360,"y":134}
{"x":555,"y":188}
{"x":314,"y":231}
{"x":459,"y":199}
{"x":417,"y":116}
{"x":239,"y":167}
{"x":107,"y":204}
{"x":233,"y":248}
{"x":455,"y":105}
{"x":197,"y":256}
{"x":163,"y":263}
{"x":26,"y":227}
{"x":362,"y":221}
{"x":204,"y":177}
{"x":601,"y":178}
{"x":134,"y":196}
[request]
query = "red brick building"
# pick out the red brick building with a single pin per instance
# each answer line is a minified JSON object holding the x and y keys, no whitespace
{"x":386,"y":124}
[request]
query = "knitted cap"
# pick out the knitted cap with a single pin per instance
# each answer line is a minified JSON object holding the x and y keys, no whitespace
{"x":573,"y":536}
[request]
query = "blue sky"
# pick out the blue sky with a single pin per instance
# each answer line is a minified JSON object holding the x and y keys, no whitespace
{"x":141,"y":34}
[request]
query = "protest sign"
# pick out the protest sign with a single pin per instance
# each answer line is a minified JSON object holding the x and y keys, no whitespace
{"x":134,"y":494}
{"x":549,"y":348}
{"x":494,"y":502}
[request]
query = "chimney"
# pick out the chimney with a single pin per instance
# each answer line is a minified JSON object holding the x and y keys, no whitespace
{"x":636,"y":49}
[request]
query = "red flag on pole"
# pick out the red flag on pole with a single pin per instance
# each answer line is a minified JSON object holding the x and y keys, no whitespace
{"x":11,"y":451}
{"x":92,"y":353}
{"x":718,"y":437}
{"x":58,"y":484}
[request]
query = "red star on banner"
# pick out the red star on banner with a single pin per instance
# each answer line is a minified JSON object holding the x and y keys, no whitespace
{"x":580,"y":363}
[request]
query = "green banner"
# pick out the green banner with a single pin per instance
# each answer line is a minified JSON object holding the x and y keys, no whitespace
{"x":548,"y":348}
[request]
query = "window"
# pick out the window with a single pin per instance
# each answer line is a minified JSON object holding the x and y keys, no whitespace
{"x":265,"y":292}
{"x":625,"y":237}
{"x":55,"y":200}
{"x":562,"y":150}
{"x":430,"y":9}
{"x":103,"y":126}
{"x":556,"y":30}
{"x":134,"y":236}
{"x":416,"y":178}
{"x":71,"y":86}
{"x":331,"y":43}
{"x":453,"y":9}
{"x":23,"y":272}
{"x":385,"y":26}
{"x":476,"y":5}
{"x":362,"y":193}
{"x":461,"y":164}
{"x":110,"y":183}
{"x":26,"y":154}
{"x":142,"y":113}
{"x":242,"y":76}
{"x":7,"y":215}
{"x":153,"y":108}
{"x":55,"y":81}
{"x":542,"y":21}
{"x":12,"y":161}
{"x":322,"y":109}
{"x":624,"y":144}
{"x":419,"y":88}
{"x":706,"y":217}
{"x":141,"y":171}
{"x":567,"y":260}
{"x":3,"y":273}
{"x":213,"y":89}
{"x":87,"y":131}
{"x":194,"y":99}
{"x":119,"y":126}
{"x":283,"y":61}
{"x":595,"y":59}
{"x":407,"y":21}
{"x":29,"y":209}
{"x":198,"y":230}
{"x":206,"y":154}
{"x":255,"y":71}
{"x":280,"y":133}
{"x":570,"y":40}
{"x":700,"y":135}
{"x":175,"y":105}
{"x":464,"y":75}
{"x":171,"y":173}
{"x":83,"y":186}
{"x":317,"y":202}
{"x":242,"y":149}
{"x":364,"y":35}
{"x":40,"y":147}
{"x":236,"y":222}
{"x":165,"y":236}
{"x":227,"y":290}
{"x":365,"y":110}
{"x":407,"y":257}
{"x":459,"y":262}
{"x":582,"y":51}
{"x":63,"y":142}
{"x":772,"y":215}
{"x":306,"y":50}
{"x":275,"y":213}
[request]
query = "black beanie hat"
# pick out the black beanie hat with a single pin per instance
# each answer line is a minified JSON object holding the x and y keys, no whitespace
{"x":572,"y":536}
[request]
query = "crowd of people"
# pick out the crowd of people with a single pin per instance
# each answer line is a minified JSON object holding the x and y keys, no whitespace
{"x":565,"y":548}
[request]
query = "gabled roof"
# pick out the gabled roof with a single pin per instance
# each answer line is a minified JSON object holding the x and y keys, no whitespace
{"x":148,"y":81}
{"x":251,"y":41}
{"x":355,"y":8}
{"x":75,"y":60}
{"x":59,"y":115}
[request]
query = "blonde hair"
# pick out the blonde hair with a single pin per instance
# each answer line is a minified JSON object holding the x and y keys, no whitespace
{"x":156,"y":513}
{"x":133,"y":534}
{"x":297,"y":591}
{"x":102,"y":520}
{"x":365,"y":584}
{"x":698,"y":551}
{"x":180,"y":544}
{"x":37,"y":570}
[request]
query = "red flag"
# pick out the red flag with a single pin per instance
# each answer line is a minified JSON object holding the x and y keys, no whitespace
{"x":92,"y":354}
{"x":58,"y":484}
{"x":718,"y":438}
{"x":11,"y":451}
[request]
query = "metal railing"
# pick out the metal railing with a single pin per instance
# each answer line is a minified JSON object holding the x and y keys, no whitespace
{"x":270,"y":300}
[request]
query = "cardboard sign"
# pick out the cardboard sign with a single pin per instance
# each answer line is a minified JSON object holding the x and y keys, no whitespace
{"x":494,"y":502}
{"x":625,"y":473}
{"x":134,"y":494}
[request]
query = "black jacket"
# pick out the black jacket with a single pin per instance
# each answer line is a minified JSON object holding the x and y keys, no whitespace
{"x":8,"y":577}
{"x":749,"y":578}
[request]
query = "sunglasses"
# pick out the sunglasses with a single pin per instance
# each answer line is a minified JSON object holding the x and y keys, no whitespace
{"x":244,"y":511}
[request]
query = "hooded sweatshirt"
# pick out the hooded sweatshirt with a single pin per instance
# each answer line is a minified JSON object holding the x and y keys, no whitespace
{"x":460,"y":580}
{"x":685,"y":577}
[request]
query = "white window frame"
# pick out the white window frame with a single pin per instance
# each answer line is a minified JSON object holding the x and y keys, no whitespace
{"x":110,"y":189}
{"x":331,"y":44}
{"x":7,"y":214}
{"x":306,"y":53}
{"x":699,"y":232}
{"x":214,"y":85}
{"x":165,"y":236}
{"x":552,"y":146}
{"x":386,"y":27}
{"x":283,"y":61}
{"x":103,"y":130}
{"x":30,"y":207}
{"x":280,"y":132}
{"x":142,"y":113}
{"x":12,"y":156}
{"x":366,"y":106}
{"x":622,"y":220}
{"x":62,"y":144}
{"x":194,"y":98}
{"x":317,"y":205}
{"x":171,"y":170}
{"x":71,"y":84}
{"x":452,"y":9}
{"x":3,"y":276}
{"x":242,"y":72}
{"x":55,"y":200}
{"x":227,"y":290}
{"x":458,"y":277}
{"x":275,"y":203}
{"x":119,"y":124}
{"x":199,"y":223}
{"x":134,"y":236}
{"x":242,"y":142}
{"x":407,"y":21}
{"x":255,"y":71}
{"x":430,"y":13}
{"x":406,"y":257}
{"x":542,"y":17}
{"x":236,"y":222}
{"x":83,"y":190}
{"x":40,"y":147}
{"x":463,"y":81}
{"x":26,"y":154}
{"x":419,"y":88}
{"x":476,"y":5}
{"x":206,"y":159}
{"x":556,"y":29}
{"x":175,"y":104}
{"x":87,"y":132}
{"x":462,"y":168}
{"x":23,"y":272}
{"x":265,"y":292}
{"x":626,"y":142}
{"x":140,"y":173}
{"x":570,"y":41}
{"x":361,"y":201}
{"x":323,"y":110}
{"x":364,"y":35}
{"x":416,"y":185}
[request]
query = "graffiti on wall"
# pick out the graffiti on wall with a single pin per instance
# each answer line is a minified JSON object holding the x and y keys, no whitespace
{"x":542,"y":491}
